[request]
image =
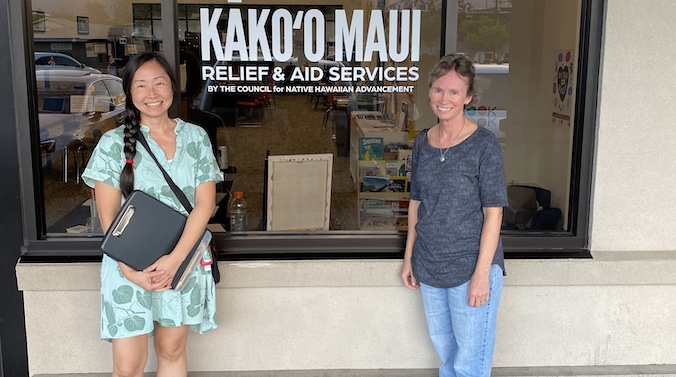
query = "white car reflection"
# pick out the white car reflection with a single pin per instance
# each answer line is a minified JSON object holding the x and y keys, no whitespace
{"x":75,"y":108}
{"x":57,"y":61}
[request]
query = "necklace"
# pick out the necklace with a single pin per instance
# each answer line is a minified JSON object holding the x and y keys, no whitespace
{"x":442,"y":156}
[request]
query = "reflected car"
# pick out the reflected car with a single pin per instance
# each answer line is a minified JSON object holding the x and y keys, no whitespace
{"x":59,"y":61}
{"x":76,"y":107}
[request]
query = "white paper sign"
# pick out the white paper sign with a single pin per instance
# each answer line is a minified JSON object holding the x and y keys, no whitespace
{"x":299,"y":192}
{"x":78,"y":104}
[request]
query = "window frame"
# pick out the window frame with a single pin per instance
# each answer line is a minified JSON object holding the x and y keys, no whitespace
{"x":320,"y":245}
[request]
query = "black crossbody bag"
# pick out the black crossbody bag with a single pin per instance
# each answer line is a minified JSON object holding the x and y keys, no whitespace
{"x":145,"y":229}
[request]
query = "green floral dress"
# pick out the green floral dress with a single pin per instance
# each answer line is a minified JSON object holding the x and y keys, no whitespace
{"x":126,"y":309}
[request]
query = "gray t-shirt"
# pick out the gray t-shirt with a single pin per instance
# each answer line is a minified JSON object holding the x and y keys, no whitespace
{"x":452,"y":194}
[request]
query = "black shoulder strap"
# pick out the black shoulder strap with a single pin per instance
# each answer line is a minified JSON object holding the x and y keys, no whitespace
{"x":177,"y":191}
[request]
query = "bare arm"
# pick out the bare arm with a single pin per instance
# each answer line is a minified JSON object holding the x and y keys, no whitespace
{"x":406,"y":270}
{"x":108,"y":200}
{"x":479,"y":287}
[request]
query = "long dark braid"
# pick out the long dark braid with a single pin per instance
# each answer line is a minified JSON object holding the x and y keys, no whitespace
{"x":133,"y":118}
{"x":131,"y":128}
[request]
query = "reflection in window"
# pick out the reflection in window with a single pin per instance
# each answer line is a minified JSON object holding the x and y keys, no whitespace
{"x":327,"y":106}
{"x":76,"y":103}
{"x":369,"y":133}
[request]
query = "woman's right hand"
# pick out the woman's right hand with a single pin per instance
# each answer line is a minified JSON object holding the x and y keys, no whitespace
{"x":407,"y":275}
{"x":150,"y":281}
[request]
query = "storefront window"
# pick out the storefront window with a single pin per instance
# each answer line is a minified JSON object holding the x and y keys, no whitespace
{"x":526,"y":57}
{"x":79,"y":95}
{"x":312,"y":108}
{"x":321,"y":101}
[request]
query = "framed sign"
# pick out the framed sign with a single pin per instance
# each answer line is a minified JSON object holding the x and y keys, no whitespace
{"x":89,"y":50}
{"x":100,"y":48}
{"x":82,"y":25}
{"x":39,"y":22}
{"x":299,"y":192}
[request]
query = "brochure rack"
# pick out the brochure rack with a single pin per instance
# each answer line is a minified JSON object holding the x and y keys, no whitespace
{"x":380,"y":167}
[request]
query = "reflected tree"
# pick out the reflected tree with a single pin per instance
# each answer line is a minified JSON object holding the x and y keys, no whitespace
{"x":484,"y":33}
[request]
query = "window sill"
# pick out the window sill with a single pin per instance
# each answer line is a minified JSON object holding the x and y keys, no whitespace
{"x":606,"y":269}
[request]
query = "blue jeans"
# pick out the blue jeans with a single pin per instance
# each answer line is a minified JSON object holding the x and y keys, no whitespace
{"x":463,"y":336}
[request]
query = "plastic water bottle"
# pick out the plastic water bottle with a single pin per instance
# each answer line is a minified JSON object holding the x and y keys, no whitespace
{"x":238,"y":215}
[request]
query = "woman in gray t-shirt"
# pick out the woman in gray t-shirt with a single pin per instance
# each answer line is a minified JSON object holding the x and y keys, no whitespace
{"x":453,"y":250}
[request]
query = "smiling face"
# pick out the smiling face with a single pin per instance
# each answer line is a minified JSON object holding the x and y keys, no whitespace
{"x":151,"y":91}
{"x":448,"y":96}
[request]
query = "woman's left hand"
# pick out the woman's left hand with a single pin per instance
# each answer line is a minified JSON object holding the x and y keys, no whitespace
{"x":479,"y":291}
{"x":166,"y":263}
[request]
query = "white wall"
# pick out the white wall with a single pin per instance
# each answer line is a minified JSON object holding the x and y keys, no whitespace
{"x":635,"y":169}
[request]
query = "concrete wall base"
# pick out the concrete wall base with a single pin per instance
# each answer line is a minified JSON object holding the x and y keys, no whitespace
{"x":342,"y":315}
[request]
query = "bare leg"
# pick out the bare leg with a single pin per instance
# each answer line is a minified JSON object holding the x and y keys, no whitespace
{"x":170,"y":346}
{"x":130,"y":356}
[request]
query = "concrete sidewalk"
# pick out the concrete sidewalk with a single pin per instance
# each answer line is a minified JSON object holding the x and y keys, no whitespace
{"x":581,"y":371}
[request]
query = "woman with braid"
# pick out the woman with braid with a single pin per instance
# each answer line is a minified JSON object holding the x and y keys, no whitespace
{"x":136,"y":304}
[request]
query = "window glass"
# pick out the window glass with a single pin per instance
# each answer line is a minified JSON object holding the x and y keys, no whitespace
{"x":156,"y":11}
{"x":143,"y":11}
{"x":76,"y":102}
{"x":62,"y":60}
{"x":192,"y":12}
{"x":193,"y":26}
{"x":313,"y":92}
{"x":143,"y":27}
{"x":116,"y":91}
{"x":43,"y":60}
{"x":319,"y":103}
{"x":525,"y":53}
{"x":157,"y":29}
